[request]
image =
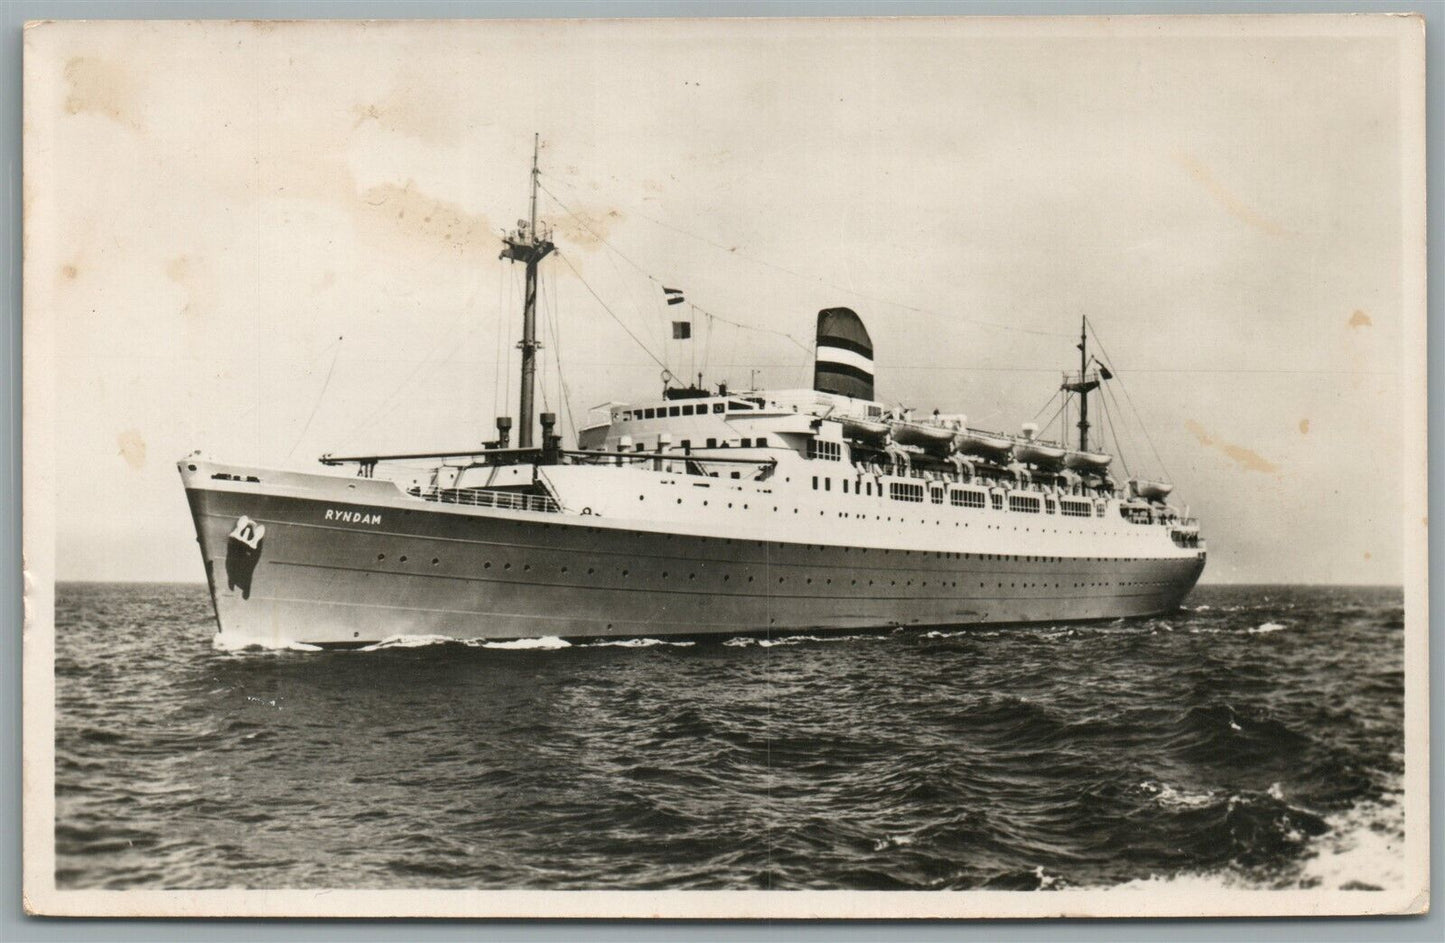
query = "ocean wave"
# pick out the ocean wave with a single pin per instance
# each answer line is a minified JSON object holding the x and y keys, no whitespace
{"x":1357,"y":849}
{"x":635,"y":643}
{"x":1266,"y":628}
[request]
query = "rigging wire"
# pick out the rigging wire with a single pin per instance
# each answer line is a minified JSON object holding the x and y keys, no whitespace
{"x":610,"y":312}
{"x":732,"y":250}
{"x":391,"y":400}
{"x":607,"y":244}
{"x":1119,"y":408}
{"x":1046,"y":406}
{"x":658,"y":281}
{"x":319,"y":396}
{"x":1130,"y":399}
{"x":1063,"y":432}
{"x":761,"y":330}
{"x":542,"y":313}
{"x":1114,"y":434}
{"x":564,"y":392}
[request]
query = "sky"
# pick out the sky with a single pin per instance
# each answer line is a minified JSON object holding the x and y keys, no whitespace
{"x":271,"y":241}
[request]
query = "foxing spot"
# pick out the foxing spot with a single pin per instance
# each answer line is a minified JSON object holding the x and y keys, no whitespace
{"x":132,"y":448}
{"x":1248,"y":459}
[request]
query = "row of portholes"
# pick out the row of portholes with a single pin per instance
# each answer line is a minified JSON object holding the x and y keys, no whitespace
{"x":526,"y":567}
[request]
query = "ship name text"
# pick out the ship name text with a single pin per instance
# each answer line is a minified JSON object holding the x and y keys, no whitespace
{"x":352,"y":517}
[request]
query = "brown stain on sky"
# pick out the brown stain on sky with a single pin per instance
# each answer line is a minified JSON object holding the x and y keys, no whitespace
{"x":1248,"y":459}
{"x":1224,"y":197}
{"x":100,"y":88}
{"x":412,"y":112}
{"x":190,"y":273}
{"x":587,"y":228}
{"x":69,"y":272}
{"x":132,"y":448}
{"x":1304,"y":427}
{"x":410,"y":212}
{"x":1360,"y":319}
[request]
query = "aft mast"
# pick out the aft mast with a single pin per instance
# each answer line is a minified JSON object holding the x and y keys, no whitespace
{"x":528,"y":246}
{"x":1083,"y":385}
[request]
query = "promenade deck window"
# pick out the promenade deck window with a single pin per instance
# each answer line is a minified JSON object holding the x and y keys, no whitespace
{"x":903,"y":491}
{"x":1023,"y":503}
{"x":960,"y":498}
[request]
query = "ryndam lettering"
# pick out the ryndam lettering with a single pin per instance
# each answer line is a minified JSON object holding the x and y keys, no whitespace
{"x":352,"y":517}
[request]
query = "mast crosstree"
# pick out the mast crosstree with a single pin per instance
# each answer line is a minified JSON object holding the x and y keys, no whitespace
{"x":1084,"y":385}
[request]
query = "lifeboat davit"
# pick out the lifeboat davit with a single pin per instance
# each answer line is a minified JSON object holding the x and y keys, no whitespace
{"x":1087,"y":461}
{"x":984,"y":444}
{"x":1153,"y":490}
{"x":866,"y":430}
{"x":932,"y":438}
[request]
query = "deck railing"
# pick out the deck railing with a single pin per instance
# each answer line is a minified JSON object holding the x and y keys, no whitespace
{"x":489,"y":498}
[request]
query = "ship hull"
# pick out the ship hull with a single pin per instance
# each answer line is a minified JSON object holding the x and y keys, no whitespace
{"x":344,"y":570}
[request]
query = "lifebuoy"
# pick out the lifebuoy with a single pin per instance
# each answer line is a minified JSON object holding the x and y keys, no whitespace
{"x":586,"y":512}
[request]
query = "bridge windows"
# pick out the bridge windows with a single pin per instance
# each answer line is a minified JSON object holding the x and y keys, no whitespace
{"x":827,"y":451}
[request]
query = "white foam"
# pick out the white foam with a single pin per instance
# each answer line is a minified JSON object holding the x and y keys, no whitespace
{"x":1364,"y":848}
{"x":1175,"y":797}
{"x":546,"y":643}
{"x":635,"y":643}
{"x":221,"y":643}
{"x":743,"y":641}
{"x":1266,"y":628}
{"x":409,"y":641}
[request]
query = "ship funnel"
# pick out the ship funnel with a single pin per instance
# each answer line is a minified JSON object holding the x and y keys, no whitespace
{"x":844,"y":363}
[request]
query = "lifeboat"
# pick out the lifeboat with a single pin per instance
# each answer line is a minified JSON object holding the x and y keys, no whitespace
{"x":983,"y":444}
{"x":1153,"y":490}
{"x":1040,"y":454}
{"x":1087,"y":461}
{"x":1033,"y":452}
{"x":866,"y":430}
{"x":931,"y":438}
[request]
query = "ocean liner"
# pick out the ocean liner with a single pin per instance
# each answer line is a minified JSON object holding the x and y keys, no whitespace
{"x":703,"y":511}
